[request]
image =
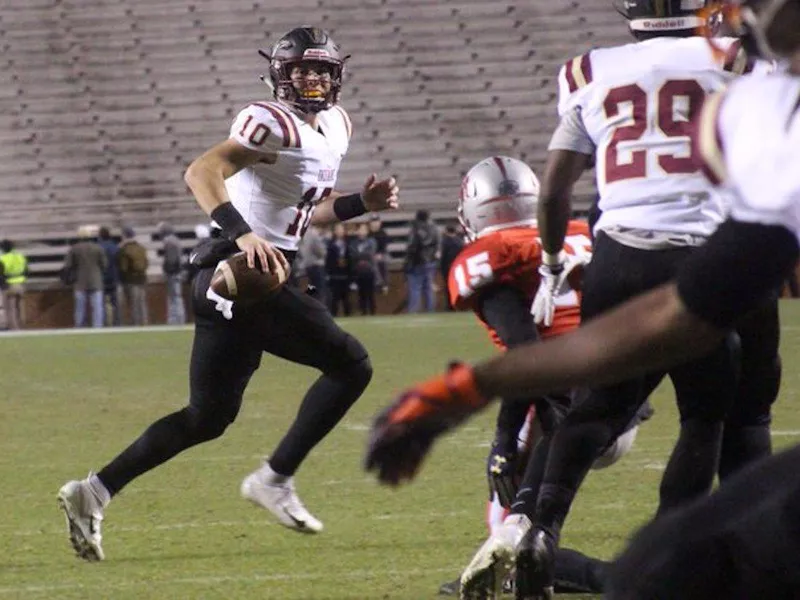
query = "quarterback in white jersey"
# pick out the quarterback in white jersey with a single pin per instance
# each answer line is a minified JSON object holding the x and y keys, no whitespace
{"x":263,"y":186}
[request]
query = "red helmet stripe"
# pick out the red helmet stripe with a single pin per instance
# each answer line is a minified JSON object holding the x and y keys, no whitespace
{"x":499,"y":162}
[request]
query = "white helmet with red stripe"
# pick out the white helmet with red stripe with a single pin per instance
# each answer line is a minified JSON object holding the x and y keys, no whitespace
{"x":497,"y":193}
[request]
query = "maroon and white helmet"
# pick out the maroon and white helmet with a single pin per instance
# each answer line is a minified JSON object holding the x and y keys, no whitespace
{"x":497,"y":193}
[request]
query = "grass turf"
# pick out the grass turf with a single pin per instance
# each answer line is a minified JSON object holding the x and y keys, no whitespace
{"x":71,"y":402}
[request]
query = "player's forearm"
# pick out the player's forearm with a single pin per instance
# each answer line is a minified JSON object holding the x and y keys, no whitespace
{"x":563,"y":169}
{"x":650,"y":332}
{"x":323,"y":211}
{"x":553,"y":219}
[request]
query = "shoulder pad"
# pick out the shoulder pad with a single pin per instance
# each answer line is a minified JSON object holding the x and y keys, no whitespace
{"x":272,"y":116}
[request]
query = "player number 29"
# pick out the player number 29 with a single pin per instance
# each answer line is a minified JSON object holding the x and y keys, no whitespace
{"x":681,"y":97}
{"x":478,"y":270}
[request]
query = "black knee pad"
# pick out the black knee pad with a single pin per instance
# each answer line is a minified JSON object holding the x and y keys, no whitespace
{"x":207,"y":423}
{"x":353,"y":362}
{"x":359,"y":367}
{"x":758,"y":390}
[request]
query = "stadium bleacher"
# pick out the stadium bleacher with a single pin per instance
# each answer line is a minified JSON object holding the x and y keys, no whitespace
{"x":105,"y":102}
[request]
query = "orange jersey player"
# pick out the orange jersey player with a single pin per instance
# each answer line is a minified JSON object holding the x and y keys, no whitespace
{"x":496,"y":275}
{"x":512,"y":257}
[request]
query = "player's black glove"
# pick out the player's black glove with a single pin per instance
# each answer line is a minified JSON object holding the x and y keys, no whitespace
{"x":501,"y":472}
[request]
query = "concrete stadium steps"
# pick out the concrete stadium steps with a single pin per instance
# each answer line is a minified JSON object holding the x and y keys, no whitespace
{"x":110,"y":99}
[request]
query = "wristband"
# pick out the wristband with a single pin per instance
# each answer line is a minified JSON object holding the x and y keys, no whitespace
{"x":552,"y":260}
{"x":233,"y":224}
{"x":349,"y":207}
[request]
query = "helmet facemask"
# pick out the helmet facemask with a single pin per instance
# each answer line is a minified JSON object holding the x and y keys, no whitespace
{"x":289,"y":79}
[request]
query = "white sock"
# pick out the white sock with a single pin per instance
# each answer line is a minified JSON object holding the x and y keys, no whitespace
{"x":271,"y":477}
{"x":98,"y":489}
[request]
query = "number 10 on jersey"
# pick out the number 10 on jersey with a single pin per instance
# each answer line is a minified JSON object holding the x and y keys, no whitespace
{"x":305,"y":210}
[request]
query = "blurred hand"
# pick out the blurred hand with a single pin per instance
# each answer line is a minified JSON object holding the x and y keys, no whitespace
{"x":380,"y":195}
{"x":404,"y":432}
{"x":263,"y":255}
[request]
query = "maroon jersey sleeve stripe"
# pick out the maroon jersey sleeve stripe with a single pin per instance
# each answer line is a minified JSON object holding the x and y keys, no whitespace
{"x":586,"y":68}
{"x":573,"y":85}
{"x":281,"y":122}
{"x":297,"y":142}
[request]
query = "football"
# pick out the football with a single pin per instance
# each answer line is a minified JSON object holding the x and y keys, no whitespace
{"x":234,"y":280}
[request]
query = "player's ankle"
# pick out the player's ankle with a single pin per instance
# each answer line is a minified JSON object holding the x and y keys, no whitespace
{"x":98,"y":489}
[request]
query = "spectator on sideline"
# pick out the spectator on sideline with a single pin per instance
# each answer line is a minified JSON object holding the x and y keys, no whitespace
{"x":378,"y":233}
{"x":420,"y":264}
{"x":172,"y":267}
{"x":452,"y":243}
{"x":84,"y":267}
{"x":337,"y":265}
{"x":365,"y":247}
{"x":132,"y":262}
{"x":110,"y":276}
{"x":313,"y":252}
{"x":15,"y":274}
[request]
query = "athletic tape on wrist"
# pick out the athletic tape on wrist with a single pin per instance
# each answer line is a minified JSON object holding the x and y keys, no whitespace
{"x":349,"y":207}
{"x":233,"y":224}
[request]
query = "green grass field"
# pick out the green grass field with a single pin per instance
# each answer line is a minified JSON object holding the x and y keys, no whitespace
{"x":71,"y":402}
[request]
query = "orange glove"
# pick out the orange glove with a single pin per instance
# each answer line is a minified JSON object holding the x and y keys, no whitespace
{"x":403,"y":434}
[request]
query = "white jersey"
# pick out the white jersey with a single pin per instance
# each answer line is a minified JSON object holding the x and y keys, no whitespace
{"x":635,"y":104}
{"x":277,"y":196}
{"x":749,"y":140}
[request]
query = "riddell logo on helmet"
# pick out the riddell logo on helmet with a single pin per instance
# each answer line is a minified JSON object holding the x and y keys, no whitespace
{"x":665,"y":24}
{"x":316,"y":53}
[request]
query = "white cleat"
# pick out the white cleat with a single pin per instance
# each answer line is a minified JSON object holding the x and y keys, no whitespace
{"x":494,"y":562}
{"x":281,"y":500}
{"x":84,"y":516}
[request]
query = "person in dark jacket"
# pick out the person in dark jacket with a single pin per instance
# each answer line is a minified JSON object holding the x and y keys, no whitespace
{"x":378,"y":233}
{"x":110,"y":275}
{"x":337,"y":265}
{"x":420,"y":264}
{"x":365,"y":248}
{"x":84,"y":268}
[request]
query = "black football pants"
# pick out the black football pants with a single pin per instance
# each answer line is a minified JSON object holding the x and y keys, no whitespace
{"x":704,"y":390}
{"x":226,"y":353}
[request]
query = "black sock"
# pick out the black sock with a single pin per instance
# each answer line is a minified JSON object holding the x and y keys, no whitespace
{"x":161,"y":441}
{"x":528,"y":492}
{"x":574,"y":448}
{"x":324,"y":405}
{"x":692,"y":465}
{"x":741,"y":446}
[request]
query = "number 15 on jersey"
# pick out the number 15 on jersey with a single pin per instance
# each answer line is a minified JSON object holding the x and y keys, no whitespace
{"x":478,"y":272}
